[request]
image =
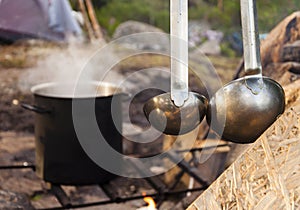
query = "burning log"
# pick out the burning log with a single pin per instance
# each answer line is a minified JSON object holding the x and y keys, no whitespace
{"x":151,"y":204}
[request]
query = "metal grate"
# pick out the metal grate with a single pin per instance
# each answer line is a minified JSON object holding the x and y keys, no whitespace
{"x":162,"y":192}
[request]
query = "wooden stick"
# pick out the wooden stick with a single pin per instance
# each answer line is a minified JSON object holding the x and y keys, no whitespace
{"x":239,"y":69}
{"x":95,"y":24}
{"x":87,"y":23}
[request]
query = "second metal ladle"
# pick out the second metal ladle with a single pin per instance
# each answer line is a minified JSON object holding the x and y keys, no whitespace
{"x":245,"y":108}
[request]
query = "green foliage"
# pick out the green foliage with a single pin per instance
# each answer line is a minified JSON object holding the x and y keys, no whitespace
{"x":73,"y":4}
{"x":99,"y":3}
{"x":221,"y":19}
{"x":118,"y":11}
{"x":271,"y":12}
{"x":227,"y":19}
{"x":227,"y":51}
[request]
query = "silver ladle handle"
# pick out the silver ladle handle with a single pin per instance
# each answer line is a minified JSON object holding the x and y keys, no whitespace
{"x":179,"y":51}
{"x":250,"y":38}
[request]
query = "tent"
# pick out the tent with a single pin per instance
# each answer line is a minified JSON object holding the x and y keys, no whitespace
{"x":44,"y":19}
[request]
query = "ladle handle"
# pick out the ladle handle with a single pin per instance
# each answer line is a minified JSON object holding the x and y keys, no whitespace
{"x":179,"y":50}
{"x":250,"y":38}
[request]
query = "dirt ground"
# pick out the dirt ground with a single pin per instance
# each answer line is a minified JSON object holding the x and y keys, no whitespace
{"x":12,"y":116}
{"x":16,"y":60}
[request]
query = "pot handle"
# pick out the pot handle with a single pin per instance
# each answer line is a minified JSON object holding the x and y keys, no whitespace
{"x":126,"y":96}
{"x":35,"y":108}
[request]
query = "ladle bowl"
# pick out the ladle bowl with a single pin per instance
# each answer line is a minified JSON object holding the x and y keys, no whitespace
{"x":240,"y":115}
{"x":166,"y":117}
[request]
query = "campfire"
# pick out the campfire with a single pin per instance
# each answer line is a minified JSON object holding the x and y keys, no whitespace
{"x":151,"y":204}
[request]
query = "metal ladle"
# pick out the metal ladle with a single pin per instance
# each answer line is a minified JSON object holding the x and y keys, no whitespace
{"x":250,"y":104}
{"x":180,"y":111}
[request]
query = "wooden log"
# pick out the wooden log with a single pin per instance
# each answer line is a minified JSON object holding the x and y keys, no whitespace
{"x":287,"y":31}
{"x":265,"y":176}
{"x":289,"y":72}
{"x":291,"y":52}
{"x":292,"y":94}
{"x":279,"y":46}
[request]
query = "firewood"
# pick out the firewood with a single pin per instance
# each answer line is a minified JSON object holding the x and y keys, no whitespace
{"x":94,"y":22}
{"x":291,"y":52}
{"x":288,"y":72}
{"x":280,"y":46}
{"x":286,"y":32}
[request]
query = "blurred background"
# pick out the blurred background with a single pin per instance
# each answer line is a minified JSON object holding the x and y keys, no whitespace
{"x":54,"y":40}
{"x":220,"y":15}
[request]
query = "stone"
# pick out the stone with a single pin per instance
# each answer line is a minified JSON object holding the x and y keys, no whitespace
{"x":133,"y":27}
{"x":211,"y":47}
{"x":214,"y":35}
{"x":131,"y":37}
{"x":196,"y":32}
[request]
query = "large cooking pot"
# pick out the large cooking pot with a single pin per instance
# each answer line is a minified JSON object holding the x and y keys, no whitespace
{"x":60,"y":158}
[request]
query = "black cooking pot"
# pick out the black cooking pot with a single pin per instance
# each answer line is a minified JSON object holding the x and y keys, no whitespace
{"x":60,"y":158}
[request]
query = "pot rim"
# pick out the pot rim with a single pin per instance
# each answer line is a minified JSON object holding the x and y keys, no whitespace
{"x":102,"y":89}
